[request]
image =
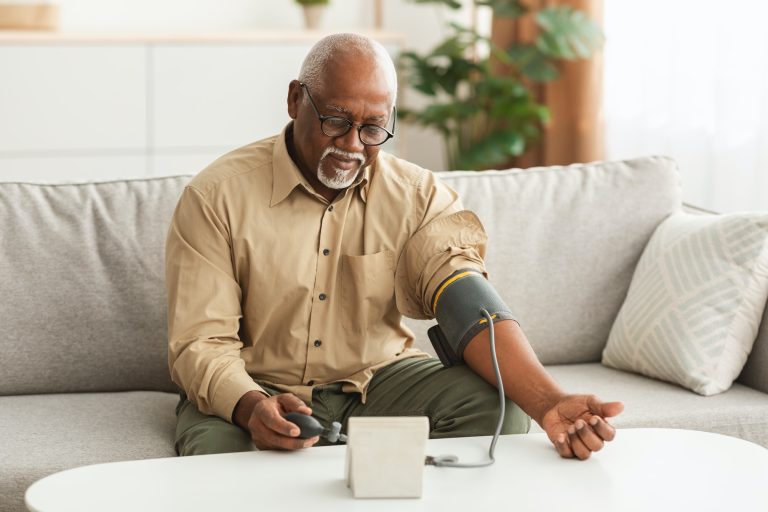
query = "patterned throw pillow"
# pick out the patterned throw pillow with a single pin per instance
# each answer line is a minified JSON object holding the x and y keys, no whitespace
{"x":695,"y":302}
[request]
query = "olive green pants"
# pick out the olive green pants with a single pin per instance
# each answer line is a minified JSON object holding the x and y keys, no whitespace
{"x":457,"y":402}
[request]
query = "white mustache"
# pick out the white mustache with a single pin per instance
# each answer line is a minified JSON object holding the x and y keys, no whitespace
{"x":344,"y":154}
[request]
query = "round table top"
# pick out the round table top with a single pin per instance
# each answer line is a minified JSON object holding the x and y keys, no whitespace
{"x":642,"y":469}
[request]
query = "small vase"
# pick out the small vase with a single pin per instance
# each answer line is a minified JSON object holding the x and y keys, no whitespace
{"x":313,"y":15}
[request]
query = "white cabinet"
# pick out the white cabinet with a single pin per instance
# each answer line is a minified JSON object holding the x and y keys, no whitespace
{"x":80,"y":108}
{"x":221,"y":95}
{"x":72,"y":97}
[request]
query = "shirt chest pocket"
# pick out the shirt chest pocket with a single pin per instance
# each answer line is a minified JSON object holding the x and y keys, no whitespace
{"x":367,"y":289}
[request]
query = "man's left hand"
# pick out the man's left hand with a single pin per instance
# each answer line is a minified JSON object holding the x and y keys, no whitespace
{"x":577,"y":425}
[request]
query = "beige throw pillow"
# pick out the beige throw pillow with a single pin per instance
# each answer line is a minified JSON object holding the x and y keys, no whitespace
{"x":695,"y":302}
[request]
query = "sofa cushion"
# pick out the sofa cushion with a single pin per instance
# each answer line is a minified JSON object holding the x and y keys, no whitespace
{"x":740,"y":412}
{"x":43,"y":434}
{"x":695,"y":302}
{"x":81,"y":276}
{"x":563,"y":243}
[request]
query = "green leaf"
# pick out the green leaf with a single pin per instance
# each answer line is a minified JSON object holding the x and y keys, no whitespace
{"x":423,"y":77}
{"x":453,"y":4}
{"x":406,"y":114}
{"x":525,"y":112}
{"x":501,"y":89}
{"x":485,"y":120}
{"x":495,"y":149}
{"x":532,"y":62}
{"x":505,"y":8}
{"x":451,"y":47}
{"x":445,"y":115}
{"x":567,"y":33}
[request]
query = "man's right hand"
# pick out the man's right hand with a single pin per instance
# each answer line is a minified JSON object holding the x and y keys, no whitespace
{"x":262,"y":417}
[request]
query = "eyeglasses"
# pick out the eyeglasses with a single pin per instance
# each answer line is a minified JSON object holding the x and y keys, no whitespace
{"x":335,"y":126}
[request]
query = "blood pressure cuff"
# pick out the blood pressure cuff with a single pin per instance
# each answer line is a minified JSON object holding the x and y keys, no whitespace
{"x":457,"y":305}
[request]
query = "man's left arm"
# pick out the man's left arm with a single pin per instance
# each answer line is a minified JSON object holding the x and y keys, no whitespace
{"x":576,"y":424}
{"x":451,"y":240}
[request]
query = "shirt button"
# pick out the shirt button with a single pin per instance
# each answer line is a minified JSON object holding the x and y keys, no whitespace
{"x":322,"y":296}
{"x":311,"y":383}
{"x":330,"y":208}
{"x":326,"y":252}
{"x":318,"y":343}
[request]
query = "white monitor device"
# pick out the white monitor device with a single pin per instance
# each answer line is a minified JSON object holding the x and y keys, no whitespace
{"x":385,"y":456}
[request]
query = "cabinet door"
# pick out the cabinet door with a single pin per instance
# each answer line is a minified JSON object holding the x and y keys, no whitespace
{"x":71,"y":97}
{"x":224,"y":95}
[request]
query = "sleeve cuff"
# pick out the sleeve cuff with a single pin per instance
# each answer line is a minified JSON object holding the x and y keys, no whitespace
{"x":230,"y":391}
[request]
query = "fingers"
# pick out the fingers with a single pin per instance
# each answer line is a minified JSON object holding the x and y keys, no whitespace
{"x":584,"y":438}
{"x":270,"y":430}
{"x":578,"y":426}
{"x":604,"y":409}
{"x":273,"y":420}
{"x":562,"y":446}
{"x":578,"y":447}
{"x":611,"y":409}
{"x":270,"y":440}
{"x":602,"y":428}
{"x":292,"y":403}
{"x":588,"y":437}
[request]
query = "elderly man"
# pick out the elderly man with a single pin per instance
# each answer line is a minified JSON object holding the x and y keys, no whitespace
{"x":290,"y":261}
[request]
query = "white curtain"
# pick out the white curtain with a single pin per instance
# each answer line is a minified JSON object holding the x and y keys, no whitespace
{"x":689,"y":79}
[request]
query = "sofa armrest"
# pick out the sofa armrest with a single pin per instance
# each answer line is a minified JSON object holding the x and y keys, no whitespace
{"x":755,"y":372}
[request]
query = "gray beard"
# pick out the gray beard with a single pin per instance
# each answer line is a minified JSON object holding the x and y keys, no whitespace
{"x":340,"y":178}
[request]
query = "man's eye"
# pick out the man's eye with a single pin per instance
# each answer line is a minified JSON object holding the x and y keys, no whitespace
{"x":372,"y":130}
{"x":337,"y":122}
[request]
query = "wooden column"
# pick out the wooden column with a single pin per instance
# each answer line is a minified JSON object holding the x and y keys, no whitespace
{"x":576,"y":128}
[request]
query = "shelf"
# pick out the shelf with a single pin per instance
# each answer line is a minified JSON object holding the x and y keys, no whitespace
{"x":304,"y":36}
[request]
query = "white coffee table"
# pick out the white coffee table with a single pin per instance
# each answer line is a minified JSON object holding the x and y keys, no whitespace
{"x":643,"y":469}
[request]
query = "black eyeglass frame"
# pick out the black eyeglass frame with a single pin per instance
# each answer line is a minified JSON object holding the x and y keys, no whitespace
{"x":350,"y":124}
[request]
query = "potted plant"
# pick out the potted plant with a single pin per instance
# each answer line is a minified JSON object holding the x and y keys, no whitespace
{"x":485,"y":119}
{"x":313,"y":12}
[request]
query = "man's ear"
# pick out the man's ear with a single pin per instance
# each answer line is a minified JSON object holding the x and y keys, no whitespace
{"x":294,"y":98}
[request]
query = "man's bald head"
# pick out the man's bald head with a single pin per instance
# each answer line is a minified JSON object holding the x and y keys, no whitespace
{"x":329,"y":54}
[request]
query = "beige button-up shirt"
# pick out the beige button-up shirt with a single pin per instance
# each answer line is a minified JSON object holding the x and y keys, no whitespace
{"x":269,"y":283}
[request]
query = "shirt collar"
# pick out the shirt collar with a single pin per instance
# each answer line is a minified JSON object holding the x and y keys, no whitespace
{"x":364,"y":181}
{"x":286,"y":176}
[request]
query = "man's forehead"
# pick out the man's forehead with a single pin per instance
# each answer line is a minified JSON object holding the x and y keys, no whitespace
{"x":356,"y":68}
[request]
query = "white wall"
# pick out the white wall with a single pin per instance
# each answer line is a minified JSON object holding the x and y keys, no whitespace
{"x":204,"y":15}
{"x":422,"y":27}
{"x":692,"y":84}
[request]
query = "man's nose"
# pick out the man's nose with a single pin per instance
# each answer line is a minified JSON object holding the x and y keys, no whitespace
{"x":351,"y":142}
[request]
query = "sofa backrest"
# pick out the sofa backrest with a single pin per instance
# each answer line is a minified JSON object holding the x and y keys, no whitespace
{"x":81,"y":267}
{"x":563,"y":243}
{"x":82,"y":304}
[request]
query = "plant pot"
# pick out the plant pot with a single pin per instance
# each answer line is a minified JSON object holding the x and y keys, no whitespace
{"x":40,"y":16}
{"x":313,"y":15}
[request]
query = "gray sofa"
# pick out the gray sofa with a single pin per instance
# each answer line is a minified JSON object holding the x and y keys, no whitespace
{"x":84,"y":379}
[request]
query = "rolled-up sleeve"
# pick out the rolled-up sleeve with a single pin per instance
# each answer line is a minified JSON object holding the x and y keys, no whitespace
{"x":204,"y":309}
{"x":449,"y":239}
